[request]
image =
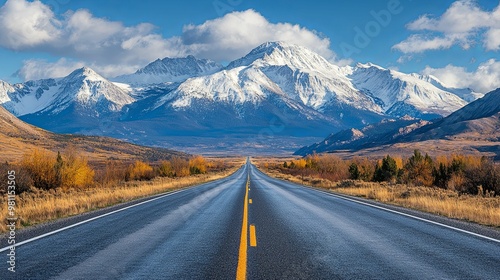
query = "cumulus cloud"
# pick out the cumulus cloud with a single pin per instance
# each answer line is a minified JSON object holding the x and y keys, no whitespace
{"x":34,"y":69}
{"x":420,"y":43}
{"x":484,"y":79}
{"x":461,"y":24}
{"x":114,"y":49}
{"x":25,"y":25}
{"x":235,"y":34}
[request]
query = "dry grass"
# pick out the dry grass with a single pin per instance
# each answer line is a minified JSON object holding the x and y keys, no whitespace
{"x":478,"y":209}
{"x":41,"y":206}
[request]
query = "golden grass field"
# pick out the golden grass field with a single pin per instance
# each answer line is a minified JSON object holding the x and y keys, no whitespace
{"x":37,"y":206}
{"x":483,"y":210}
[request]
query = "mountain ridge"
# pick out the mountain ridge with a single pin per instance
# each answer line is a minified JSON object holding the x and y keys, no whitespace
{"x":275,"y":85}
{"x":473,"y":128}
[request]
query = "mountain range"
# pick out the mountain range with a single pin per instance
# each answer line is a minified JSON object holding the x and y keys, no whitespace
{"x":278,"y":97}
{"x":473,"y":128}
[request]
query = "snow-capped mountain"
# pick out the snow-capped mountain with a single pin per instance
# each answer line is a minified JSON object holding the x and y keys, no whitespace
{"x":466,"y":94}
{"x":83,"y":89}
{"x":170,"y":70}
{"x":291,"y":73}
{"x":402,"y":94}
{"x":473,"y":128}
{"x":276,"y":90}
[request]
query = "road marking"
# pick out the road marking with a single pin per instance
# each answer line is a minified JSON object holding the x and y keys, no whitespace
{"x":253,"y":237}
{"x":241,"y":271}
{"x":250,"y":201}
{"x":413,"y":217}
{"x":89,"y":220}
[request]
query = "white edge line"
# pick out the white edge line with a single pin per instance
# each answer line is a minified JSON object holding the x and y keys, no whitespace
{"x":411,"y":216}
{"x":88,"y":220}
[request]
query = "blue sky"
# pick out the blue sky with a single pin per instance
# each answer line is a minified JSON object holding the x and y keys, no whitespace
{"x":453,"y":40}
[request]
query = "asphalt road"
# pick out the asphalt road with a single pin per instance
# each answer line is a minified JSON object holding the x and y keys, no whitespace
{"x":262,"y":228}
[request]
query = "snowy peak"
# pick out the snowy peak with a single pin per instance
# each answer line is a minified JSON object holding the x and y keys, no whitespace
{"x":5,"y":88}
{"x":171,"y":70}
{"x":281,"y":53}
{"x":275,"y":69}
{"x":180,"y":66}
{"x":89,"y":89}
{"x":83,"y":74}
{"x":400,"y":94}
{"x":83,"y":89}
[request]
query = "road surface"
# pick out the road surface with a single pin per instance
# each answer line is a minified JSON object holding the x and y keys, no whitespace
{"x":251,"y":226}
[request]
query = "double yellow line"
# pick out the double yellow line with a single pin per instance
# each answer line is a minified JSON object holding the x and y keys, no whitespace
{"x":241,"y":271}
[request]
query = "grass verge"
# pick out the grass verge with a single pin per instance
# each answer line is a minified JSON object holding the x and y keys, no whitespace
{"x":37,"y":206}
{"x":473,"y":208}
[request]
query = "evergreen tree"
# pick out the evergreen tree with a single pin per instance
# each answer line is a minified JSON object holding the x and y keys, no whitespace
{"x":418,"y":169}
{"x":354,"y":171}
{"x":387,"y":171}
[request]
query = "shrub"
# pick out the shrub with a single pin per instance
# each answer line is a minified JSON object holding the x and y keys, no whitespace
{"x":140,"y":171}
{"x":180,"y":166}
{"x":73,"y":171}
{"x":40,"y":165}
{"x":114,"y":171}
{"x":165,"y":169}
{"x":486,"y":174}
{"x":197,"y":165}
{"x":23,"y":180}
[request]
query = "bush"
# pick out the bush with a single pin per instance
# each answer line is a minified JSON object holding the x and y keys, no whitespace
{"x":197,"y":165}
{"x":140,"y":171}
{"x":165,"y":169}
{"x":486,"y":174}
{"x":114,"y":171}
{"x":22,"y":178}
{"x":73,"y":171}
{"x":40,"y":165}
{"x":180,"y":167}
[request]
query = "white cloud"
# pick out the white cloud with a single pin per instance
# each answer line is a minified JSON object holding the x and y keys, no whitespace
{"x":116,"y":49}
{"x":484,"y":79}
{"x":419,"y":43}
{"x":235,"y":34}
{"x":35,"y":69}
{"x":461,"y":24}
{"x":24,"y":25}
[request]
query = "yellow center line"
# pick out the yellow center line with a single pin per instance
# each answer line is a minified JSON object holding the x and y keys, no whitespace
{"x":250,"y":201}
{"x":241,"y":271}
{"x":253,"y":236}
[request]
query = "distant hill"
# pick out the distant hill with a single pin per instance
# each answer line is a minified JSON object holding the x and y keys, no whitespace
{"x":479,"y":120}
{"x":475,"y":128}
{"x":18,"y":137}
